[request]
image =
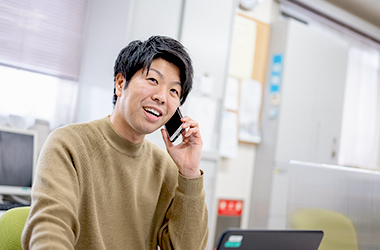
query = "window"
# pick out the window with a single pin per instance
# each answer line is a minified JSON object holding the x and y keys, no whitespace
{"x":40,"y":49}
{"x":360,"y":123}
{"x":32,"y":95}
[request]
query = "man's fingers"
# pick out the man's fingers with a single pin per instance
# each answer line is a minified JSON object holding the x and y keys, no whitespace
{"x":165,"y":136}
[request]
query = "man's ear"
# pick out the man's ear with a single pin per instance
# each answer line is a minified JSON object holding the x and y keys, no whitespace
{"x":119,"y":84}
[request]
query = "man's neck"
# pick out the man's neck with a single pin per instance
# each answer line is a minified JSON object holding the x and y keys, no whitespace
{"x":119,"y":127}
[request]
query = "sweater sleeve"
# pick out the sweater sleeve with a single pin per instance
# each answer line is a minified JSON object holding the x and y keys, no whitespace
{"x":186,"y":221}
{"x":53,"y":220}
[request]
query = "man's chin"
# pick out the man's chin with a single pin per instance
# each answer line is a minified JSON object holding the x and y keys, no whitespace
{"x":151,"y":130}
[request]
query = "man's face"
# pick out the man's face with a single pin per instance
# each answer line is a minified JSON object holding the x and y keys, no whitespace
{"x":148,"y":102}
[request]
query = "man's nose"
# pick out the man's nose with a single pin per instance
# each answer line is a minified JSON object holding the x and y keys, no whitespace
{"x":159,"y":96}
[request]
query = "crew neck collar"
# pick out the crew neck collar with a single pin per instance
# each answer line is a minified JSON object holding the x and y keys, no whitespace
{"x":118,"y":142}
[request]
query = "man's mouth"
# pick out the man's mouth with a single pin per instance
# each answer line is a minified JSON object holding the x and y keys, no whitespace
{"x":153,"y":112}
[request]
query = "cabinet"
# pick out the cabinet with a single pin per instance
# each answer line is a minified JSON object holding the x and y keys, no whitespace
{"x":302,"y":116}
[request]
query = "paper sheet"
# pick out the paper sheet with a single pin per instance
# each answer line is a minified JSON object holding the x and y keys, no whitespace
{"x":249,"y":113}
{"x":203,"y":109}
{"x":243,"y":44}
{"x":228,"y":145}
{"x":207,"y":85}
{"x":231,"y":97}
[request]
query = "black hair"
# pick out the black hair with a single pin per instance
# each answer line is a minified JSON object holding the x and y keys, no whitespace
{"x":140,"y":54}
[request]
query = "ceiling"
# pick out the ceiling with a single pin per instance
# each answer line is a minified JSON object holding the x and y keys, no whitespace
{"x":368,"y":10}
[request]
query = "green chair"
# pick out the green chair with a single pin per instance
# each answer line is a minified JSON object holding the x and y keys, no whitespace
{"x":11,"y":225}
{"x":339,"y":231}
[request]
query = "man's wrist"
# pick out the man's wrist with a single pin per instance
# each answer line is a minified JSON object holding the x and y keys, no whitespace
{"x":191,"y":173}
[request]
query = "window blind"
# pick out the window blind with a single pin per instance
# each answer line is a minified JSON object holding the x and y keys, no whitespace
{"x":43,"y":36}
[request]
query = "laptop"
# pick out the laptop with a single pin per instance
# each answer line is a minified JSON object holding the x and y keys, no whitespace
{"x":239,"y":239}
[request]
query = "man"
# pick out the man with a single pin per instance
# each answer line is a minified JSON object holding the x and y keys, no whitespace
{"x":102,"y":185}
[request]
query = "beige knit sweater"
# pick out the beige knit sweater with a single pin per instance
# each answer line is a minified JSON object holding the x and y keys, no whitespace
{"x":95,"y":190}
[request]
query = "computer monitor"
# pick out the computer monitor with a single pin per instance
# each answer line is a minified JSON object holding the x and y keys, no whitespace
{"x":18,"y":156}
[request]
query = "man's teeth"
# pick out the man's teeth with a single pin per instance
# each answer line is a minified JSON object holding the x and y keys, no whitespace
{"x":152,"y":111}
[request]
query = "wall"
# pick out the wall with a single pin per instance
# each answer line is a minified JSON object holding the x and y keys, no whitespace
{"x":105,"y":36}
{"x":235,"y":175}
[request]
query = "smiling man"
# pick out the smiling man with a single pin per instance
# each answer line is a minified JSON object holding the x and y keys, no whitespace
{"x":102,"y":185}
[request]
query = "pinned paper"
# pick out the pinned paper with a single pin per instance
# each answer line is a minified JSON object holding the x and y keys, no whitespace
{"x":249,"y":113}
{"x":228,"y":145}
{"x":206,"y":85}
{"x":203,"y":109}
{"x":243,"y":44}
{"x":231,"y":97}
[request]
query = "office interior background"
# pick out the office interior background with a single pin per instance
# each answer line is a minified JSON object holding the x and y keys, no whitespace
{"x":285,"y":91}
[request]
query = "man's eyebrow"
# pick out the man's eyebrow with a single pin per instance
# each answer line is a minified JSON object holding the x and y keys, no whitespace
{"x":158,"y":72}
{"x":162,"y":75}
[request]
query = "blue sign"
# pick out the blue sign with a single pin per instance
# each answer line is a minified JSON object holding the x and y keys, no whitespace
{"x":276,"y":74}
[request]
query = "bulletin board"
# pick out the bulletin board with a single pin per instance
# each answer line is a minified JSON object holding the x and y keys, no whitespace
{"x":262,"y":48}
{"x":245,"y":84}
{"x":260,"y":58}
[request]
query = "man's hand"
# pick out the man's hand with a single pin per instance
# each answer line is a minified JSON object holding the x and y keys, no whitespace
{"x":187,"y":154}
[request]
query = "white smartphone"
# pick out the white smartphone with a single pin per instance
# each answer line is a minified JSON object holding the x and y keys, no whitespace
{"x":174,"y":126}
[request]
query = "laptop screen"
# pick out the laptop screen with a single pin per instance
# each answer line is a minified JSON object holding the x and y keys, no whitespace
{"x":270,"y":239}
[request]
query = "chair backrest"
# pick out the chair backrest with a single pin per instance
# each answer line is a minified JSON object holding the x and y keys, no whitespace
{"x":11,"y":225}
{"x":339,"y":231}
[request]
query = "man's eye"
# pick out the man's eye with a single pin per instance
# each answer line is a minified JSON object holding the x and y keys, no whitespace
{"x":175,"y":92}
{"x":152,"y":80}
